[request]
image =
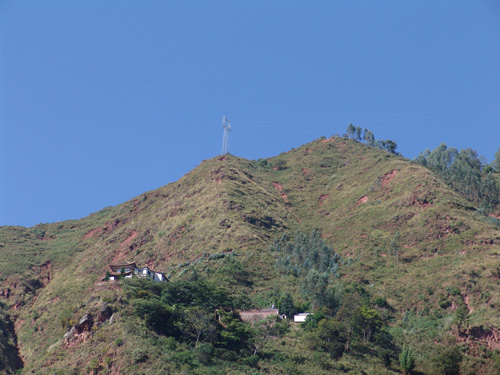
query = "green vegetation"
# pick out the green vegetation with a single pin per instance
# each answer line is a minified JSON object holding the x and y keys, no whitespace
{"x":406,"y":360}
{"x":382,"y":252}
{"x":9,"y":354}
{"x":367,"y":136}
{"x":463,"y":171}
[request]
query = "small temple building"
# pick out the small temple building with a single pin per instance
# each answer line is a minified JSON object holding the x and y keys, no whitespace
{"x":130,"y":269}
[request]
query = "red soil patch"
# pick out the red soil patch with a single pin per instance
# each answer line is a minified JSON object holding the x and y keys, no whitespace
{"x":129,"y":239}
{"x":326,"y":140}
{"x":474,"y":335}
{"x":307,"y":172}
{"x":496,"y":215}
{"x":93,"y":233}
{"x":177,"y":234}
{"x":322,"y":198}
{"x":388,"y":177}
{"x":308,"y":150}
{"x":44,"y":272}
{"x":466,"y":301}
{"x":362,"y":200}
{"x":124,"y":247}
{"x":418,"y":201}
{"x":275,"y":168}
{"x":279,"y":189}
{"x":18,"y":324}
{"x":223,"y":158}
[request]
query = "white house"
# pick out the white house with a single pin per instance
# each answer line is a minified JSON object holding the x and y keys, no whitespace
{"x":300,"y":318}
{"x":130,"y":269}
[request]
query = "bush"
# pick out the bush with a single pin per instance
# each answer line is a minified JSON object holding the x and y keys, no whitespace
{"x":252,"y":361}
{"x":448,"y":362}
{"x":204,"y":353}
{"x":139,"y":355}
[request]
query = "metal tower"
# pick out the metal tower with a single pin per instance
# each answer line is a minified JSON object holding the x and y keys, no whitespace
{"x":226,"y":124}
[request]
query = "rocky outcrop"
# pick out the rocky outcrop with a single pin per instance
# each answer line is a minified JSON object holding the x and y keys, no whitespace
{"x":104,"y":313}
{"x":79,"y":332}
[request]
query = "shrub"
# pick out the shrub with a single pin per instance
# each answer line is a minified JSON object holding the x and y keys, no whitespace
{"x":448,"y":362}
{"x":251,"y":361}
{"x":204,"y":353}
{"x":139,"y":355}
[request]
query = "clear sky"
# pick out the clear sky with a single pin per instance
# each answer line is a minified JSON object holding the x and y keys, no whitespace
{"x":101,"y":101}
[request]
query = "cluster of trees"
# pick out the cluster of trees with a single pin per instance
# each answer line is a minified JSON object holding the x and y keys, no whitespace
{"x":307,"y":257}
{"x":357,"y":321}
{"x":192,"y":312}
{"x":465,"y":172}
{"x":367,"y":137}
{"x":10,"y":360}
{"x":303,"y":252}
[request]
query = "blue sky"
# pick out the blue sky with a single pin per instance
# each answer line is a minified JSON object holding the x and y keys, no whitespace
{"x":103,"y":100}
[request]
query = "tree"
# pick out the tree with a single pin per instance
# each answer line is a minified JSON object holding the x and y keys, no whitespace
{"x":489,"y":193}
{"x":406,"y":360}
{"x":448,"y":362}
{"x":496,"y":162}
{"x":347,"y":314}
{"x":200,"y":325}
{"x":332,"y":336}
{"x":394,"y":245}
{"x":388,"y":145}
{"x":351,"y":130}
{"x":157,"y":315}
{"x":315,"y":288}
{"x":286,"y":306}
{"x":461,"y":315}
{"x":264,"y":330}
{"x":369,"y":138}
{"x":368,"y":321}
{"x":358,"y":133}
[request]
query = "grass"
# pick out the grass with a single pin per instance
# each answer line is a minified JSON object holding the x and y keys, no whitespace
{"x":230,"y":205}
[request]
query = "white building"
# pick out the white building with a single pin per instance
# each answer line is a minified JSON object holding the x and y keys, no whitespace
{"x":300,"y":318}
{"x":130,"y":269}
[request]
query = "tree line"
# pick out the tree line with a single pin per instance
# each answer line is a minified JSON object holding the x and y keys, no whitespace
{"x":368,"y":138}
{"x":466,"y":173}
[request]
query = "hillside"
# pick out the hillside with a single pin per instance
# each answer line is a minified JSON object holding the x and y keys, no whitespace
{"x":402,"y":235}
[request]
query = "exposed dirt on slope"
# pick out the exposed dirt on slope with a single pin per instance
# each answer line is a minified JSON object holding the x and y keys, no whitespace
{"x":323,"y":198}
{"x":476,"y":336}
{"x":362,"y":200}
{"x":386,"y":178}
{"x":279,"y":189}
{"x":93,"y":233}
{"x":307,"y":172}
{"x":124,"y":247}
{"x":132,"y":235}
{"x":496,"y":215}
{"x":467,"y":303}
{"x":44,"y":272}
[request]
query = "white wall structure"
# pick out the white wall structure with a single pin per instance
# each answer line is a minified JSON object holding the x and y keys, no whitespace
{"x":300,"y":318}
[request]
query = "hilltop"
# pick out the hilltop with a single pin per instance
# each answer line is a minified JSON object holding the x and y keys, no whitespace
{"x":403,"y":238}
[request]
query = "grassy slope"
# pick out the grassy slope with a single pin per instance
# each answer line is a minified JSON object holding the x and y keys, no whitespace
{"x":231,"y":204}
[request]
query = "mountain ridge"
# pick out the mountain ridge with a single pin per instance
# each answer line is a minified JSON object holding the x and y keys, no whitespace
{"x":357,"y":196}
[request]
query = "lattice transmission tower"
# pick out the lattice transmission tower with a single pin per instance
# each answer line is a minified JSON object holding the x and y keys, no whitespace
{"x":226,"y":124}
